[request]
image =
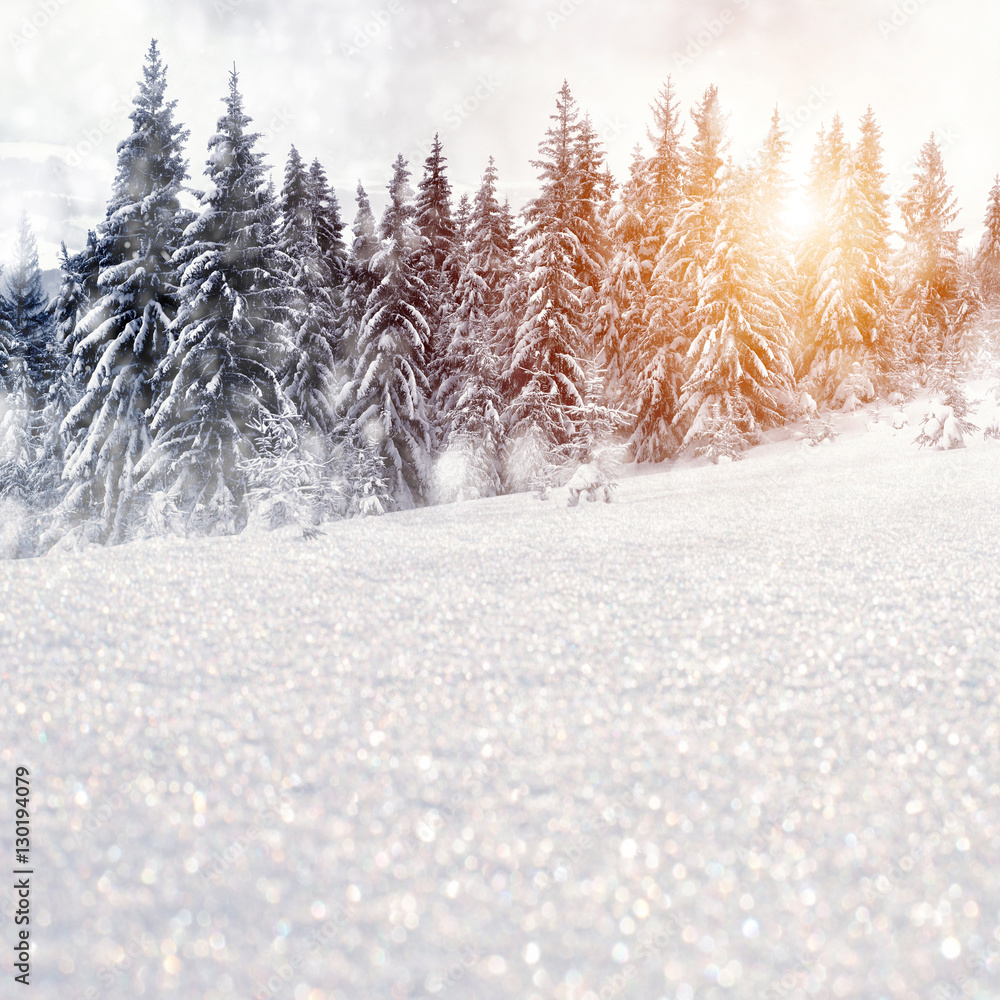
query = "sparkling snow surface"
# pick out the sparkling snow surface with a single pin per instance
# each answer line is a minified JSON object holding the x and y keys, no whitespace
{"x":735,"y":734}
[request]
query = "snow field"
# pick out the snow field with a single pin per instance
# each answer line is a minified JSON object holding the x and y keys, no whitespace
{"x":735,"y":734}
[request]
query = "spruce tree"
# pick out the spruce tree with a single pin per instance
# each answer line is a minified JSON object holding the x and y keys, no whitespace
{"x":837,"y":312}
{"x":690,"y":206}
{"x":389,"y":391}
{"x":814,"y":248}
{"x":741,"y":369}
{"x":16,"y":451}
{"x":929,"y":300}
{"x":9,"y":346}
{"x":652,"y":368}
{"x":217,"y":393}
{"x":434,"y":222}
{"x":120,"y":342}
{"x":471,"y":405}
{"x":592,"y":202}
{"x":625,"y":291}
{"x":329,"y":232}
{"x":456,"y":260}
{"x":312,"y":379}
{"x":361,"y":280}
{"x":546,"y":372}
{"x":878,"y":328}
{"x":28,"y":306}
{"x":987,"y":260}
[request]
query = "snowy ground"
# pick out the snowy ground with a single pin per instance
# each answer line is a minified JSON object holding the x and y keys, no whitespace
{"x":735,"y":735}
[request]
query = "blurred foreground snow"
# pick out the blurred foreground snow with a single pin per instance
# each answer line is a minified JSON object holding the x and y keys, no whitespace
{"x":736,"y":734}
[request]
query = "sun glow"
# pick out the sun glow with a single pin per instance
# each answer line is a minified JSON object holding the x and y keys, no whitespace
{"x":798,"y":214}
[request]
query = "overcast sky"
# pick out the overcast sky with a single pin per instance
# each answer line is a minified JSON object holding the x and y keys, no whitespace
{"x":354,"y":83}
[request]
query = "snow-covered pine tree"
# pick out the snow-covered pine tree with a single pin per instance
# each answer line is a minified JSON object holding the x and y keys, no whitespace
{"x":684,"y":207}
{"x":361,"y":281}
{"x":929,"y":299}
{"x":470,"y":402}
{"x":17,"y":453}
{"x":773,"y":188}
{"x":219,"y":383}
{"x":836,"y":311}
{"x":847,"y":307}
{"x":987,"y":261}
{"x":21,"y":354}
{"x":652,"y":369}
{"x":828,"y":157}
{"x":741,"y":368}
{"x":389,"y":390}
{"x":9,"y":347}
{"x":71,"y":303}
{"x":119,"y":344}
{"x":513,"y":307}
{"x":312,"y":380}
{"x":329,"y":230}
{"x":28,"y":308}
{"x":463,"y":218}
{"x":434,"y":221}
{"x":457,"y":258}
{"x":878,"y":320}
{"x":546,"y":369}
{"x":663,"y":175}
{"x":625,"y":290}
{"x":595,"y":188}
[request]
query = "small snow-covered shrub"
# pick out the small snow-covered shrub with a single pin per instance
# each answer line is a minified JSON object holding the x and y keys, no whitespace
{"x":817,"y":431}
{"x":465,"y":470}
{"x":589,"y":480}
{"x":857,"y":388}
{"x":531,"y":463}
{"x":368,"y":484}
{"x":942,"y":428}
{"x":989,"y":414}
{"x":945,"y":423}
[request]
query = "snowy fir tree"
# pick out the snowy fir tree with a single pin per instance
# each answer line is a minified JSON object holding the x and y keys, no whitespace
{"x":773,"y":186}
{"x":388,"y":394}
{"x":454,"y":267}
{"x":987,"y":261}
{"x":27,"y":306}
{"x":360,"y":281}
{"x":546,"y":374}
{"x":877,"y":318}
{"x":814,"y":247}
{"x":594,"y":189}
{"x":434,"y":222}
{"x":836,"y":311}
{"x":313,"y":379}
{"x":685,"y":209}
{"x":17,"y":446}
{"x":470,"y":406}
{"x":119,"y":344}
{"x":741,"y":370}
{"x":218,"y":385}
{"x":329,"y":228}
{"x":688,"y":244}
{"x":847,"y":309}
{"x":625,"y":289}
{"x":929,"y":300}
{"x":652,"y":369}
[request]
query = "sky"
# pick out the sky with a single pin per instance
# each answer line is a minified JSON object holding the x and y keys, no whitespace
{"x":355,"y":83}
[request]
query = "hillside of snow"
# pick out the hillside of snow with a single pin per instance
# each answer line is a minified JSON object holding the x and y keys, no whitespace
{"x":735,"y":734}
